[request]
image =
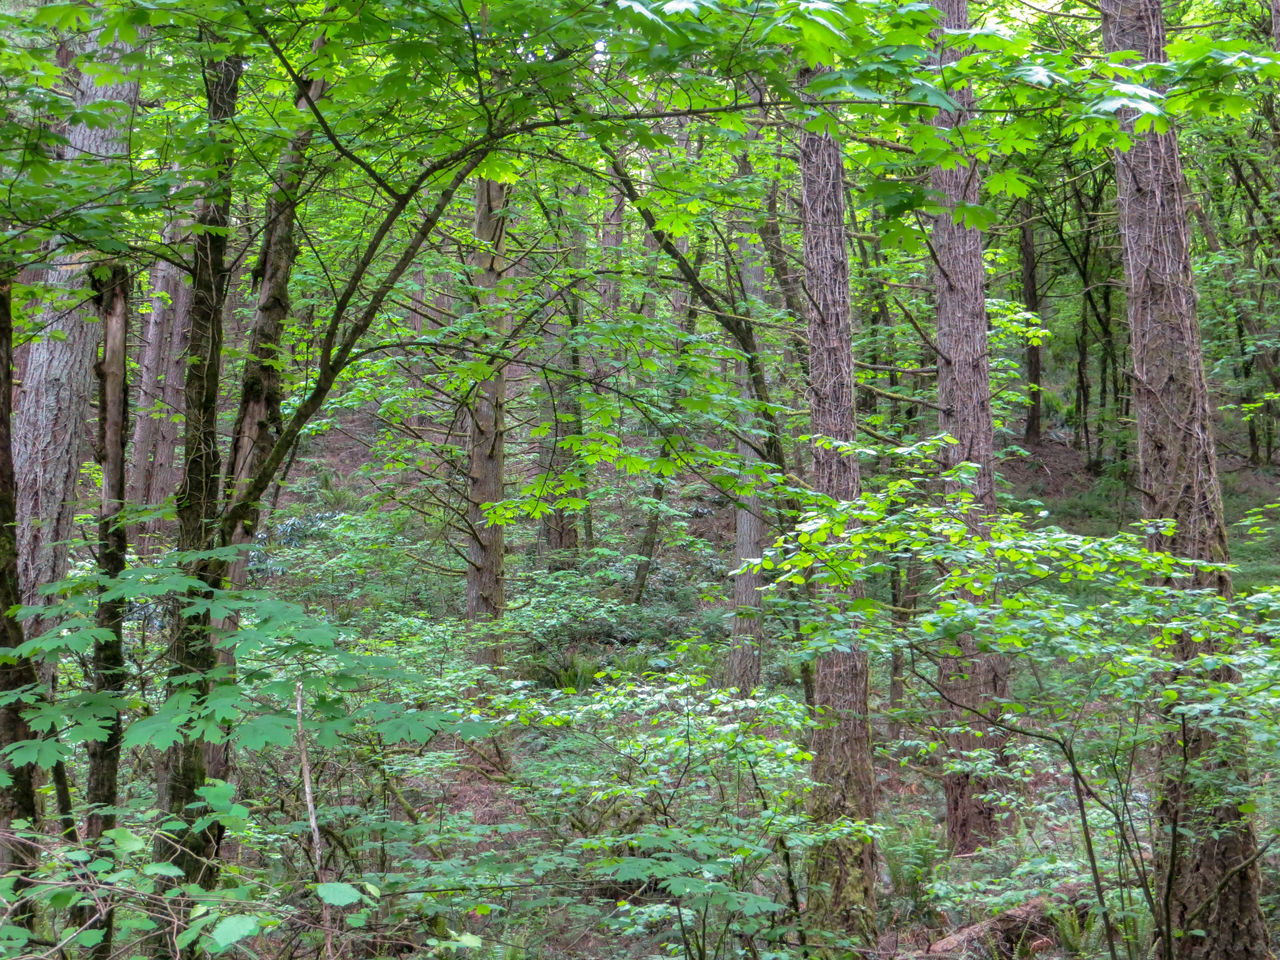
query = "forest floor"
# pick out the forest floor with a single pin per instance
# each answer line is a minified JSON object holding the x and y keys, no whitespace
{"x":1052,"y":479}
{"x":1099,"y":501}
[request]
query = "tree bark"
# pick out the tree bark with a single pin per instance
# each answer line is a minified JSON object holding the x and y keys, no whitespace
{"x":747,"y":631}
{"x":969,"y":681}
{"x":1031,"y":300}
{"x":161,"y":370}
{"x":192,"y":650}
{"x":1207,"y":875}
{"x":109,"y":670}
{"x":18,"y":797}
{"x":485,"y":577}
{"x":50,"y":433}
{"x":842,"y":871}
{"x":258,"y":421}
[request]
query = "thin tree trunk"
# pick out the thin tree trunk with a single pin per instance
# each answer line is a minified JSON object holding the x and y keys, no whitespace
{"x":161,"y":369}
{"x":1031,"y":300}
{"x":192,"y":653}
{"x":1080,"y":437}
{"x":18,"y":796}
{"x":747,"y":631}
{"x":842,"y":871}
{"x":485,"y":578}
{"x":748,"y":628}
{"x":102,"y":782}
{"x":648,"y":543}
{"x":1208,"y":876}
{"x":904,"y":588}
{"x":258,"y":420}
{"x":612,"y":235}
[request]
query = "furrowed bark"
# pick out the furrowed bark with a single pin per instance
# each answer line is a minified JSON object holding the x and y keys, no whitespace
{"x":1207,"y":873}
{"x":161,"y":369}
{"x":969,"y":682}
{"x":747,"y":633}
{"x":842,"y":871}
{"x":50,"y":433}
{"x":485,"y":578}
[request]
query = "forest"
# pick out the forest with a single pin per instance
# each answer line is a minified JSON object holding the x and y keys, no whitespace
{"x":592,"y":479}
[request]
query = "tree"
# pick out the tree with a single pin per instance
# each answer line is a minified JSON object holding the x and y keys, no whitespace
{"x":192,"y":847}
{"x":51,"y":432}
{"x":1207,"y":876}
{"x":970,"y":683}
{"x":843,"y":870}
{"x":153,"y":476}
{"x":487,"y":444}
{"x":1028,"y":262}
{"x":17,"y":674}
{"x":110,"y":670}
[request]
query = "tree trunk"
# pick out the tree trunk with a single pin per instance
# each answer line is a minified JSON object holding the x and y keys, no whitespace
{"x":1031,"y":300}
{"x":612,"y":236}
{"x":18,"y":796}
{"x":648,"y":546}
{"x":969,"y":682}
{"x":50,"y":433}
{"x":842,"y":871}
{"x":191,"y":650}
{"x":485,"y":579}
{"x":109,"y":670}
{"x":1208,"y":876}
{"x":258,"y":420}
{"x":161,"y":369}
{"x":747,"y":631}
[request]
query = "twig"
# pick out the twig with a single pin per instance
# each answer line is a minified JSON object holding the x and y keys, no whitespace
{"x":317,"y":843}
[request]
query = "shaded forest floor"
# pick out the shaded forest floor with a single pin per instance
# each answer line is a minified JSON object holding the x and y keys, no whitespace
{"x":531,"y":790}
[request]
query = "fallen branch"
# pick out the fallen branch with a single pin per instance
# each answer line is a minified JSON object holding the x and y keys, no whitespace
{"x":1023,"y":931}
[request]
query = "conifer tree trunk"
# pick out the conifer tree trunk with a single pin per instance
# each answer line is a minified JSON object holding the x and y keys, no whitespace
{"x":50,"y":433}
{"x":968,"y":681}
{"x":843,"y":871}
{"x":1207,"y":875}
{"x":485,"y":579}
{"x":747,"y":631}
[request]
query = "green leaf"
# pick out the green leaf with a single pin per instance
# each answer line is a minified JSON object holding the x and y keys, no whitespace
{"x":126,"y":841}
{"x":163,"y":870}
{"x":338,"y":894}
{"x":231,"y":930}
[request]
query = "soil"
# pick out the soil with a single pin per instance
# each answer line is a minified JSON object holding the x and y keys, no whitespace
{"x":1050,"y":470}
